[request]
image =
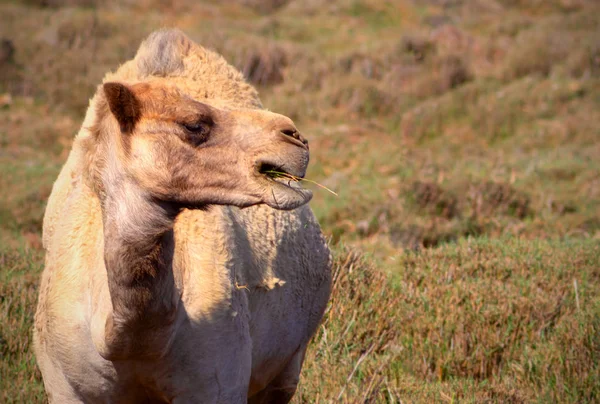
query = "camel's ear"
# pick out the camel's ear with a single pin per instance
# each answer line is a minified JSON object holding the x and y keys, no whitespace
{"x":123,"y":105}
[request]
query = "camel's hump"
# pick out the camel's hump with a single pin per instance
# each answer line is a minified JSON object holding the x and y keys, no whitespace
{"x":162,"y":53}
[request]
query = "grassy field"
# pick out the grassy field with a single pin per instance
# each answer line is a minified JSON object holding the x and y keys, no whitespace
{"x":462,"y":138}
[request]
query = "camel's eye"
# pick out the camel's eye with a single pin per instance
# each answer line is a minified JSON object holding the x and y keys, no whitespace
{"x":200,"y":128}
{"x":197,"y":132}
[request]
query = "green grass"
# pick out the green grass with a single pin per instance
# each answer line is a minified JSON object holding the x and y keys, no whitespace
{"x":463,"y":145}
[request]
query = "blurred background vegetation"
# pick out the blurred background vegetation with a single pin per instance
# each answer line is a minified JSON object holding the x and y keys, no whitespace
{"x":462,"y":137}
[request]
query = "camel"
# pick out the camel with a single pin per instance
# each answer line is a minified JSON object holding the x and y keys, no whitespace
{"x":178,"y":268}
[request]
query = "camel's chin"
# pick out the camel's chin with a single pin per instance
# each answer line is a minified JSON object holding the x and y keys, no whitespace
{"x":286,"y":194}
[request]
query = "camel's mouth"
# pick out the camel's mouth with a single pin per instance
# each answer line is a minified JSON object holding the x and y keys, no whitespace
{"x":280,"y":175}
{"x":284,"y":182}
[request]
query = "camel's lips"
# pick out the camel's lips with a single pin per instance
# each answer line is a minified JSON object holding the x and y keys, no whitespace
{"x":275,"y":172}
{"x":284,"y":183}
{"x":290,"y":182}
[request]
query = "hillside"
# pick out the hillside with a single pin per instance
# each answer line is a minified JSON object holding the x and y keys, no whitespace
{"x":461,"y":137}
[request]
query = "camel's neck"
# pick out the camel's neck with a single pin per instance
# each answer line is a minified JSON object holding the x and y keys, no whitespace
{"x":138,"y":246}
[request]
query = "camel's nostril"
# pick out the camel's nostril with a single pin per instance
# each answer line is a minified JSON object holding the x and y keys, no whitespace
{"x":293,"y":133}
{"x":290,"y":132}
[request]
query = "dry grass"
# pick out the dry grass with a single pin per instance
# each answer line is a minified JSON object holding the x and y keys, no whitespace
{"x":477,"y":321}
{"x":20,"y":381}
{"x":459,"y":135}
{"x":480,"y":320}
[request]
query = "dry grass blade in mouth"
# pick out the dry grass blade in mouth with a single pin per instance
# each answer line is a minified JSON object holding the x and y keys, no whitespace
{"x":279,"y":174}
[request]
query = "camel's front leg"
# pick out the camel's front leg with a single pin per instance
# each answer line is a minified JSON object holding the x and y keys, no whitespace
{"x":283,"y":387}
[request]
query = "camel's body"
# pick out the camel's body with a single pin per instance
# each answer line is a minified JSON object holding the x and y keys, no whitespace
{"x":252,"y":284}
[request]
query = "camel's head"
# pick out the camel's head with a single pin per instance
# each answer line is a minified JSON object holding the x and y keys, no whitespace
{"x":182,"y":151}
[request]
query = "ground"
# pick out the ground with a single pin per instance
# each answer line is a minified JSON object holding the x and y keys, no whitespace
{"x":461,"y":137}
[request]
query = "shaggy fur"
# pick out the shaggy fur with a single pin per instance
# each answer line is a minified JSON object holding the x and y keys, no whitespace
{"x":146,"y":300}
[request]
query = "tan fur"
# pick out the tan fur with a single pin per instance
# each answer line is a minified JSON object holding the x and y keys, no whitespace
{"x":145,"y":300}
